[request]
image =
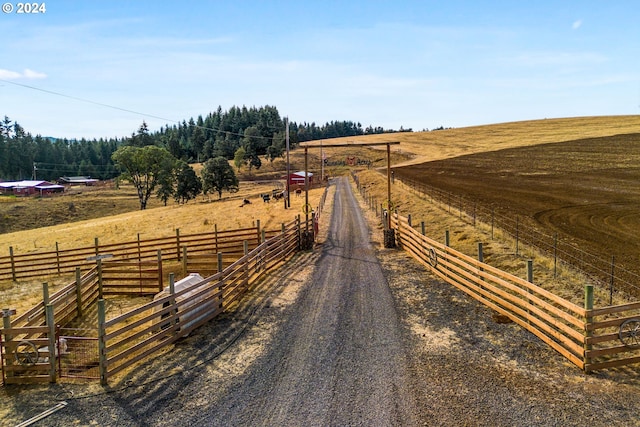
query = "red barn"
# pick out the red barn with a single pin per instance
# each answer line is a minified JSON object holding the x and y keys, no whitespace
{"x":296,"y":179}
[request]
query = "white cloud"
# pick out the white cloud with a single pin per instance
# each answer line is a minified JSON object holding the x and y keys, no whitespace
{"x":30,"y":74}
{"x":26,"y":74}
{"x":577,"y":24}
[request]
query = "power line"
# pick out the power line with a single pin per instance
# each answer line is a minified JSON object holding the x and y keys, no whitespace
{"x":126,"y":110}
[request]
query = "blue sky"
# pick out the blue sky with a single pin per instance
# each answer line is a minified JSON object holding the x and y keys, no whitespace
{"x":416,"y":64}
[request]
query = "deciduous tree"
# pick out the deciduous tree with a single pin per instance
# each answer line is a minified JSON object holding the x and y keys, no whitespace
{"x":218,"y":175}
{"x":144,"y":166}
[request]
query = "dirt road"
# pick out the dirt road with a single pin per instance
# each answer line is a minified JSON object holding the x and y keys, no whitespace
{"x":338,"y":358}
{"x":348,"y":335}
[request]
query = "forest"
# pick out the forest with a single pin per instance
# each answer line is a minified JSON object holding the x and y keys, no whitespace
{"x":260,"y":131}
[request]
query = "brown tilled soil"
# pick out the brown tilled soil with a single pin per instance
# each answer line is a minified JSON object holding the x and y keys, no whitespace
{"x":585,"y":190}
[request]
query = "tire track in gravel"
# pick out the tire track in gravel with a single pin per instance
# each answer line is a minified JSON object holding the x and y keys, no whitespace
{"x":338,"y":358}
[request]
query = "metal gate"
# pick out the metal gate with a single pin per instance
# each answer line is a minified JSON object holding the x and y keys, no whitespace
{"x":78,"y":353}
{"x":25,"y":355}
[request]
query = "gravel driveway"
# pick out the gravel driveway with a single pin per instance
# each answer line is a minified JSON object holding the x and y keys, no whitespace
{"x":348,"y":335}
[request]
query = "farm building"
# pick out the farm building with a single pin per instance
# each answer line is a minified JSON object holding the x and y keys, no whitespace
{"x":297,"y":178}
{"x":28,"y":188}
{"x":77,"y":180}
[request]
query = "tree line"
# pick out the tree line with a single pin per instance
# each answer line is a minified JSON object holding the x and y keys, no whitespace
{"x":252,"y":134}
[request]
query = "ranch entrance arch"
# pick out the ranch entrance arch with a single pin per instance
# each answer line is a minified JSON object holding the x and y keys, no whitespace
{"x":310,"y":144}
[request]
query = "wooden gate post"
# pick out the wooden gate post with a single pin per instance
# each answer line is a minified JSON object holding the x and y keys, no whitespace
{"x":52,"y":342}
{"x":6,"y":324}
{"x":102,"y":352}
{"x":45,"y":294}
{"x":588,"y":305}
{"x":172,"y":292}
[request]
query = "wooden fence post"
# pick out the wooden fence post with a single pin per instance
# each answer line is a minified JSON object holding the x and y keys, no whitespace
{"x":160,"y":276}
{"x":78,"y":292}
{"x":446,"y":238}
{"x":6,"y":324}
{"x":423,"y":230}
{"x":52,"y":342}
{"x":13,"y":264}
{"x":45,"y":293}
{"x":102,"y":345}
{"x":258,"y":230}
{"x":6,"y":321}
{"x":220,"y":265}
{"x":588,"y":305}
{"x":97,"y":246}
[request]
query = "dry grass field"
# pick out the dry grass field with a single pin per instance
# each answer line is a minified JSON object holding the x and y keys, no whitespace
{"x":421,"y":147}
{"x":564,"y":176}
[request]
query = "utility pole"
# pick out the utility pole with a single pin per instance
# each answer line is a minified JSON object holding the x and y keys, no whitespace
{"x":286,"y":119}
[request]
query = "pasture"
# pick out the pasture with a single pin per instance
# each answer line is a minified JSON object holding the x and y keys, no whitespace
{"x":572,"y":175}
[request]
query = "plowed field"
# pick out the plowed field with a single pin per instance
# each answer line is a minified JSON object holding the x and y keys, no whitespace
{"x":586,"y":189}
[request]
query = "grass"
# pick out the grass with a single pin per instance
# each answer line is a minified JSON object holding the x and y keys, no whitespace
{"x":113,"y":216}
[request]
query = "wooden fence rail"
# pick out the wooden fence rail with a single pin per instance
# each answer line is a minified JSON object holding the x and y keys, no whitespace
{"x":131,"y":337}
{"x":139,"y":333}
{"x":62,"y":261}
{"x":573,"y":331}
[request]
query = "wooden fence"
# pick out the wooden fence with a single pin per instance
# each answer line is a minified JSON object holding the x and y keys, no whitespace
{"x":63,"y":261}
{"x":606,"y":271}
{"x":136,"y":335}
{"x":590,"y":338}
{"x":133,"y":336}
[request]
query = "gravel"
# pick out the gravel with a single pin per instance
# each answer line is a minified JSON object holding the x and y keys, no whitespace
{"x":349,"y":334}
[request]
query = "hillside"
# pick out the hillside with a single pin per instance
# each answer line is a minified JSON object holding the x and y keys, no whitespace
{"x":443,"y":144}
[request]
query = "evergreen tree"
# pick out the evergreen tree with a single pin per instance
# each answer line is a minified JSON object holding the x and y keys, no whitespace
{"x":251,"y":143}
{"x":188,"y":184}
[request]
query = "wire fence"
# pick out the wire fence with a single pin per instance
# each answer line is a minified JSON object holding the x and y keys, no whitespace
{"x":602,"y":271}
